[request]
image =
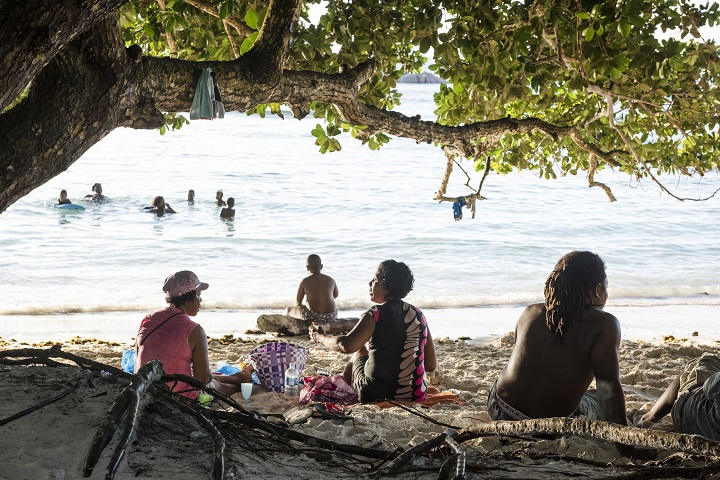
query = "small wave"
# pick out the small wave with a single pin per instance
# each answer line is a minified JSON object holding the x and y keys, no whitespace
{"x":361,"y":303}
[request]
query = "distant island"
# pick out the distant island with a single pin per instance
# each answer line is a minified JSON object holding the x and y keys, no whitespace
{"x":424,"y":77}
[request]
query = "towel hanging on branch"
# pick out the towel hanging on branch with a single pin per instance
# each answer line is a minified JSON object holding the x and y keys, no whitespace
{"x":207,"y":102}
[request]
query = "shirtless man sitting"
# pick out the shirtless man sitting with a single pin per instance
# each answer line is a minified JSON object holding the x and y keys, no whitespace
{"x":560,"y":346}
{"x":321,"y":292}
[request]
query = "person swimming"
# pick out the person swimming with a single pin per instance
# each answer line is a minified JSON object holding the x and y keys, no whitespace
{"x":229,"y":211}
{"x":191,"y":196}
{"x":63,"y":199}
{"x":219,"y":198}
{"x":97,"y":195}
{"x":159,"y":207}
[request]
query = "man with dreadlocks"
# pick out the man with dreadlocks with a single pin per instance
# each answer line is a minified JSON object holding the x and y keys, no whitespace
{"x":560,"y":346}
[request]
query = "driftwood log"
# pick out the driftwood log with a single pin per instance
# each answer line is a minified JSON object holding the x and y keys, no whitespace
{"x":632,"y":436}
{"x":294,"y":326}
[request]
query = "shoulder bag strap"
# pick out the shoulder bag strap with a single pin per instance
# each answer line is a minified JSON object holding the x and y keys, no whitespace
{"x":161,"y":324}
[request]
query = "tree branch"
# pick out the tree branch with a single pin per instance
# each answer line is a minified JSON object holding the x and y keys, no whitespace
{"x":240,"y":27}
{"x":38,"y":38}
{"x":91,"y":88}
{"x":233,"y":45}
{"x":268,"y":56}
{"x":172,"y":47}
{"x":610,"y":100}
{"x":610,"y":432}
{"x":593,"y":183}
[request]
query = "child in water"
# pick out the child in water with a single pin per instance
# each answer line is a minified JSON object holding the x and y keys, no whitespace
{"x":159,"y":207}
{"x":63,"y":200}
{"x":97,"y":196}
{"x":229,"y":211}
{"x":218,"y":197}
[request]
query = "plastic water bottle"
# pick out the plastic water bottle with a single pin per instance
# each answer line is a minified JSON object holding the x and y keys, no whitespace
{"x":292,"y":381}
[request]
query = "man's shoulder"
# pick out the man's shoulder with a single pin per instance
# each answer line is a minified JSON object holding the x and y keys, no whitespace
{"x":532,"y":312}
{"x":602,"y":317}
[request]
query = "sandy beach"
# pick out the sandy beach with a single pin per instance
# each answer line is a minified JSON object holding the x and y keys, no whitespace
{"x":51,"y":442}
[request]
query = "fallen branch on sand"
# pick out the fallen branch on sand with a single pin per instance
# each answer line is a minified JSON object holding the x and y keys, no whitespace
{"x":637,"y":437}
{"x":40,"y":405}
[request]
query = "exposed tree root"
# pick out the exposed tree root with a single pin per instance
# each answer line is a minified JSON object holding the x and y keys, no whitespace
{"x":40,"y":405}
{"x":638,"y":437}
{"x":127,"y":407}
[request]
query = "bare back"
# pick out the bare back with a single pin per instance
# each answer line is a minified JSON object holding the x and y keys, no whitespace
{"x":320,"y":291}
{"x":546,"y":377}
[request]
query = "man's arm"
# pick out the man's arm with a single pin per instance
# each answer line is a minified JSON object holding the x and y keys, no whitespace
{"x":604,"y":358}
{"x":198,"y":345}
{"x":335,"y":290}
{"x":300,"y":293}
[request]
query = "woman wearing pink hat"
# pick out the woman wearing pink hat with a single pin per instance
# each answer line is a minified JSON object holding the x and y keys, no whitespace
{"x":179,"y":343}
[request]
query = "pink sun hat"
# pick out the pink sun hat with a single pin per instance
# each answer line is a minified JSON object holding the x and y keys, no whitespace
{"x":182,"y":282}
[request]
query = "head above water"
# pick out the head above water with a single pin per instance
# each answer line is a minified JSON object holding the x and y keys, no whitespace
{"x":313,"y":263}
{"x":97,"y":188}
{"x":191,"y":195}
{"x":395,"y":277}
{"x":577,"y":282}
{"x":63,"y":194}
{"x":230,"y":202}
{"x":219,"y":195}
{"x":158,"y":202}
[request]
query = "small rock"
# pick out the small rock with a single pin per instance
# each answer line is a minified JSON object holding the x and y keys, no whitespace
{"x":694,"y":334}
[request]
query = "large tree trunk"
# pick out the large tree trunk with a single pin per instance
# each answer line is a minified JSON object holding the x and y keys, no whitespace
{"x":34,"y":31}
{"x":82,"y":95}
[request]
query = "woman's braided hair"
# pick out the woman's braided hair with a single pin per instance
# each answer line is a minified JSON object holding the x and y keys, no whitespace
{"x":567,"y":287}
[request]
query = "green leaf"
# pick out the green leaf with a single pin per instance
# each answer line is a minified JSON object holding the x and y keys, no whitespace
{"x":251,"y":18}
{"x":589,"y":33}
{"x":248,"y":43}
{"x":224,"y":10}
{"x":624,"y":26}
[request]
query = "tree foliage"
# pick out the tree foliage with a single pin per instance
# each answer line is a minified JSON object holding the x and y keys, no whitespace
{"x":553,"y":86}
{"x":649,"y":102}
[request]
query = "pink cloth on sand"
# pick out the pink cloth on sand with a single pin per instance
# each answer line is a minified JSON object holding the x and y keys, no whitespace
{"x":169,"y":344}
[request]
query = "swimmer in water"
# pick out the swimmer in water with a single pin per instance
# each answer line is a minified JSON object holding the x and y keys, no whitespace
{"x":218,"y":197}
{"x":97,"y":195}
{"x":63,"y":199}
{"x":159,"y":207}
{"x":229,"y":211}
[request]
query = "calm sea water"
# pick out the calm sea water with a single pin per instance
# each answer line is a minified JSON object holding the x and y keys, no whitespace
{"x":354,"y":208}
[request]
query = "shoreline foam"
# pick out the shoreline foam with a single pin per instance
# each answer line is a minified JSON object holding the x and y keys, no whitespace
{"x":637,"y":323}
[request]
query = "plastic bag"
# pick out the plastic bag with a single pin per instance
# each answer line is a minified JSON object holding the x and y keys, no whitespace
{"x":128,"y":360}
